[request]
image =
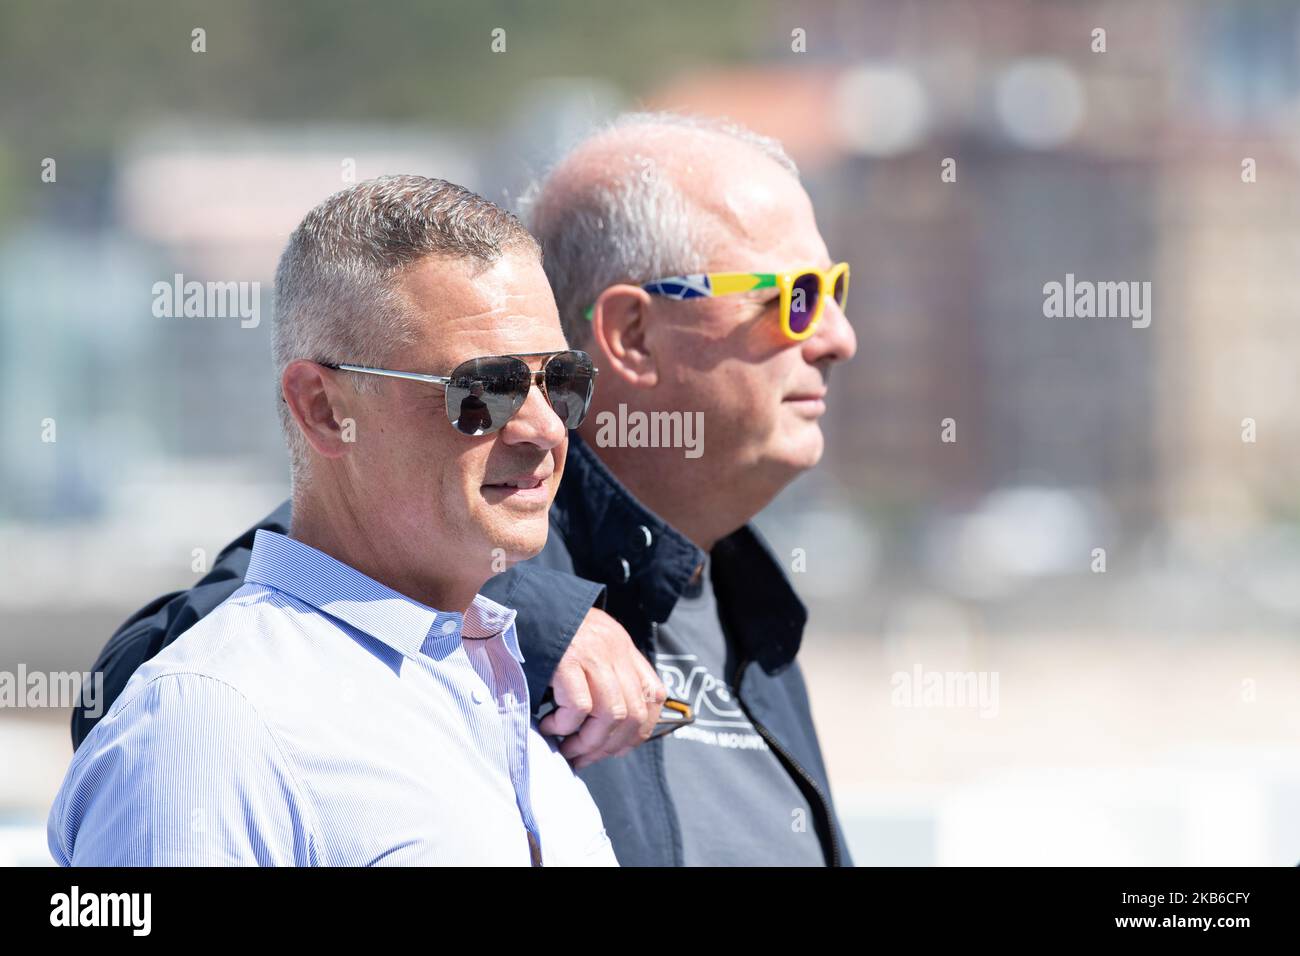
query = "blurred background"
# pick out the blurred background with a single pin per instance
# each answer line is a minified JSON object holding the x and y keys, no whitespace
{"x":1144,"y":710}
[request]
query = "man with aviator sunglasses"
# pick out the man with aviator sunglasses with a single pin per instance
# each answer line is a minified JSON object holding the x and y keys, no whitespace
{"x":358,"y":701}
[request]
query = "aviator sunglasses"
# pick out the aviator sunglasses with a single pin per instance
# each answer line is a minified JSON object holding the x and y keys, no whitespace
{"x":484,"y":393}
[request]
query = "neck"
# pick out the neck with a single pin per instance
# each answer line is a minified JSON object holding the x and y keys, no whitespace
{"x":693,"y":497}
{"x":329,"y":523}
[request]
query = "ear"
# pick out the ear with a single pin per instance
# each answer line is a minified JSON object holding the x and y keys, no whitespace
{"x":620,"y":334}
{"x":318,"y":403}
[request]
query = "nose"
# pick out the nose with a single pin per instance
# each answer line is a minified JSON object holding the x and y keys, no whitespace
{"x":535,"y":423}
{"x":834,"y":340}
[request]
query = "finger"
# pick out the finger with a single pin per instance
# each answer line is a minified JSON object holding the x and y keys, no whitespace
{"x":608,"y":710}
{"x":628,"y":732}
{"x":654,"y":693}
{"x":573,"y":701}
{"x":560,"y":722}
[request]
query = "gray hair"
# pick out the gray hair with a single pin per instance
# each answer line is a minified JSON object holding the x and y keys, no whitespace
{"x":628,"y":227}
{"x":336,"y":295}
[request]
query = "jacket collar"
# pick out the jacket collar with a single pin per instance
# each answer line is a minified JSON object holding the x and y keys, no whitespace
{"x":617,"y":541}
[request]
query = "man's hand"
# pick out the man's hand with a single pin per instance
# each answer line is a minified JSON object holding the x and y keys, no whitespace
{"x":607,"y":696}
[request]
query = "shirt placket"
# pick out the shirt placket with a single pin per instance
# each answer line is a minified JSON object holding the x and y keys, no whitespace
{"x":505,"y":680}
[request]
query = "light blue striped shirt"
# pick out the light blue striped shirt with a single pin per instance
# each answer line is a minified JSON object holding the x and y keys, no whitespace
{"x":319,"y":718}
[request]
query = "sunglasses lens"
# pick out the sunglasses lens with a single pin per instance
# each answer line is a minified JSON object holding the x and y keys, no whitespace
{"x":569,"y":380}
{"x":485,"y":392}
{"x":842,"y":290}
{"x":804,"y":295}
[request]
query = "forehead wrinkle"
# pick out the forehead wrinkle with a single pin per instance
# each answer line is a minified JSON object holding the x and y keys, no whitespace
{"x":503,"y":302}
{"x":494,"y":312}
{"x":720,"y":215}
{"x":733,"y":214}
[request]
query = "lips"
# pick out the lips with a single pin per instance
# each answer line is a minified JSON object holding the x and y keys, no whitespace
{"x":814,"y":395}
{"x":524,"y":482}
{"x":809,"y":405}
{"x":530,"y":491}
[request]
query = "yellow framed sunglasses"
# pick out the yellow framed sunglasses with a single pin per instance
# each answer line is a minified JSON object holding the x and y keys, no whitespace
{"x":803,"y":292}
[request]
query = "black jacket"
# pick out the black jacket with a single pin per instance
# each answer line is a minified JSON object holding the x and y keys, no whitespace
{"x":604,"y":547}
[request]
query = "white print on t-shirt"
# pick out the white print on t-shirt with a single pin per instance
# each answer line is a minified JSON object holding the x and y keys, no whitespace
{"x":719,"y":721}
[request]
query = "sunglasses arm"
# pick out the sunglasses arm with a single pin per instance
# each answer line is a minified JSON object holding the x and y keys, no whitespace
{"x":412,"y":376}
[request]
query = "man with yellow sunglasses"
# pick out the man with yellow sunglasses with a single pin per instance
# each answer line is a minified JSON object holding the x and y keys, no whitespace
{"x":686,"y":259}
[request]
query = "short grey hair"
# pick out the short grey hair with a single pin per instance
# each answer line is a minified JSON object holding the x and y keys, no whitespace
{"x":627,"y":227}
{"x":336,"y":295}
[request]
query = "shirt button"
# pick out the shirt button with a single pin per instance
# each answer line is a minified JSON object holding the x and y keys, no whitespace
{"x":476,"y":695}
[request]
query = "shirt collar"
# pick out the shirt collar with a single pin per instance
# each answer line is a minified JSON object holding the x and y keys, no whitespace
{"x":343,"y":592}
